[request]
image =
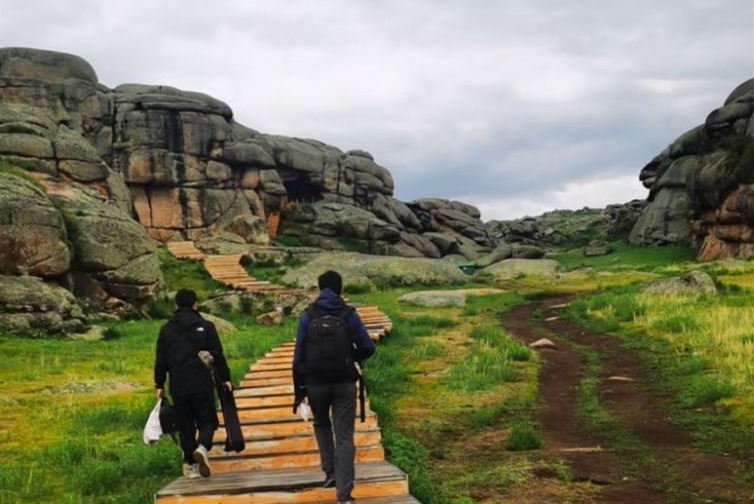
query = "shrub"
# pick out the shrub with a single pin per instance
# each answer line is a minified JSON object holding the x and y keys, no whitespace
{"x":522,"y":437}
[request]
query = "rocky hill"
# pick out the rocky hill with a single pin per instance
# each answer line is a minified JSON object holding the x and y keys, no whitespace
{"x":92,"y":178}
{"x":701,"y":187}
{"x":564,"y":229}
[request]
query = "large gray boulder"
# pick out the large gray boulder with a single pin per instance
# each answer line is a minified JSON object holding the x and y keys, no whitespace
{"x":31,"y":307}
{"x":363,"y":271}
{"x":700,"y":187}
{"x":515,"y":250}
{"x":32,"y":231}
{"x":113,"y":256}
{"x":693,"y":283}
{"x":514,"y":268}
{"x":437,"y":298}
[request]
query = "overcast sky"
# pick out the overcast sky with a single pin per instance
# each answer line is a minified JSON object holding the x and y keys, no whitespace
{"x":515,"y":106}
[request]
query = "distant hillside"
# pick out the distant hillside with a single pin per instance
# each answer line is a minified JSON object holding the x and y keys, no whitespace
{"x":563,"y":229}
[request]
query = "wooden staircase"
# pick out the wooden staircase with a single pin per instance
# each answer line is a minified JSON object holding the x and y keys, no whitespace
{"x":185,"y":250}
{"x":227,"y":269}
{"x":281,"y":463}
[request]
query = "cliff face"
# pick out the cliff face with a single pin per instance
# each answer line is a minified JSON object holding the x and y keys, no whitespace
{"x":701,"y":187}
{"x":191,"y":170}
{"x":93,"y":177}
{"x":65,"y":214}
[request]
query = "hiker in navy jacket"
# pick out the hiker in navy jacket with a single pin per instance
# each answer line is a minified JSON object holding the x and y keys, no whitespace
{"x":334,"y":396}
{"x":191,"y":384}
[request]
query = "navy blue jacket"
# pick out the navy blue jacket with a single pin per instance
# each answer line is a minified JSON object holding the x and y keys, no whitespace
{"x":329,"y":301}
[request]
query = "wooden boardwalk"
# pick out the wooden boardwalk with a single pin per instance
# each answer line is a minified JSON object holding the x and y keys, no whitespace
{"x":281,"y":463}
{"x":227,"y":270}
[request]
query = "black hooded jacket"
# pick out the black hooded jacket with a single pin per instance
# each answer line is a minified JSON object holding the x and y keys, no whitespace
{"x":179,"y":341}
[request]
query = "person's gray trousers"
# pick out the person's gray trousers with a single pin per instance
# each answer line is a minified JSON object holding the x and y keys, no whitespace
{"x":335,"y":438}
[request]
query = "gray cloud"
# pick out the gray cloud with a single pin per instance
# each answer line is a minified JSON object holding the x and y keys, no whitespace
{"x":521,"y":101}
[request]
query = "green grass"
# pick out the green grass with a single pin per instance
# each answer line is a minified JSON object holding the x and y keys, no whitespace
{"x":455,"y":380}
{"x":81,"y":442}
{"x":181,"y":274}
{"x":456,"y":396}
{"x":523,"y":436}
{"x":690,"y":345}
{"x":627,"y":255}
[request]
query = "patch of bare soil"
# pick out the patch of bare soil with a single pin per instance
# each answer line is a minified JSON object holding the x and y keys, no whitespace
{"x":696,"y":477}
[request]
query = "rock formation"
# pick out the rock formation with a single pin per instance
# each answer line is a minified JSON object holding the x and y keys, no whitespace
{"x":65,"y":215}
{"x":92,"y":177}
{"x":569,"y":228}
{"x":188,"y":169}
{"x":701,"y":187}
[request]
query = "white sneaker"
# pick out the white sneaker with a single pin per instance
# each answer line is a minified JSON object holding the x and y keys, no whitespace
{"x":202,"y":459}
{"x":192,"y":471}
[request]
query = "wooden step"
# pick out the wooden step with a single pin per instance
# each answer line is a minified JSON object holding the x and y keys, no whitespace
{"x":184,"y":250}
{"x":264,"y":402}
{"x":293,"y":444}
{"x":277,"y":373}
{"x":309,"y":458}
{"x":266,"y":381}
{"x":275,"y":390}
{"x":303,"y":430}
{"x":302,"y":485}
{"x":256,"y":429}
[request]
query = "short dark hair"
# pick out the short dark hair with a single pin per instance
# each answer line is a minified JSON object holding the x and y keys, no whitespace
{"x":330,"y":280}
{"x":185,"y":298}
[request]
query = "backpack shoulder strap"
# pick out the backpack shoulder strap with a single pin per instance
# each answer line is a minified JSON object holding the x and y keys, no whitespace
{"x":345,"y":311}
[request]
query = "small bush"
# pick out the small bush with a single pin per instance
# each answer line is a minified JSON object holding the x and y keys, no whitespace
{"x":522,"y":437}
{"x":431,"y":322}
{"x":287,"y":241}
{"x":704,"y":390}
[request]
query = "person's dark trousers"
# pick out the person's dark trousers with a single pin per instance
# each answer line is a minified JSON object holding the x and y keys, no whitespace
{"x":335,"y":438}
{"x":196,"y":412}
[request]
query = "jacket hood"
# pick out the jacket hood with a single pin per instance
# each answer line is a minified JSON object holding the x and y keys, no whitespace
{"x":329,"y":301}
{"x":186,"y":317}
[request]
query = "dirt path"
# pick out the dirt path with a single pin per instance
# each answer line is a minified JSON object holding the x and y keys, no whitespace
{"x":661,"y":465}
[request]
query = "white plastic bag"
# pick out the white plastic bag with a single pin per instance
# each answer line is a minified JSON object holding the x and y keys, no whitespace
{"x":306,"y":411}
{"x":153,"y":430}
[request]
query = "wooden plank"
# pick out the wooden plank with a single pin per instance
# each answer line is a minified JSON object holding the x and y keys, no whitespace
{"x":294,"y":427}
{"x":310,"y":495}
{"x":267,"y":381}
{"x":310,"y":458}
{"x":274,"y":413}
{"x":269,"y":447}
{"x":255,"y":433}
{"x":274,"y":360}
{"x":264,"y":391}
{"x":239,"y":483}
{"x":264,"y":402}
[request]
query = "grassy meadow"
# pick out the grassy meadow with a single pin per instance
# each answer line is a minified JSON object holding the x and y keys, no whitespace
{"x":456,"y":396}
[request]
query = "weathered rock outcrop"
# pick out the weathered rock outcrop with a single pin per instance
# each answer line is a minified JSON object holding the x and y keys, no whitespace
{"x":701,"y":187}
{"x":65,"y":215}
{"x":569,"y":228}
{"x":31,"y":306}
{"x":185,"y":168}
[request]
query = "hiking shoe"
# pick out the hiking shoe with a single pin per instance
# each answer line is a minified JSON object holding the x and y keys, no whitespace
{"x":192,"y":471}
{"x":329,"y":482}
{"x":202,"y":459}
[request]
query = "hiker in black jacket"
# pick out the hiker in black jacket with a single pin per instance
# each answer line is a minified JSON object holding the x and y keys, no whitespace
{"x":331,"y":391}
{"x":191,"y":384}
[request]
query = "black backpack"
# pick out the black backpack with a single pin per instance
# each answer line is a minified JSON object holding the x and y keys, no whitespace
{"x":328,"y":350}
